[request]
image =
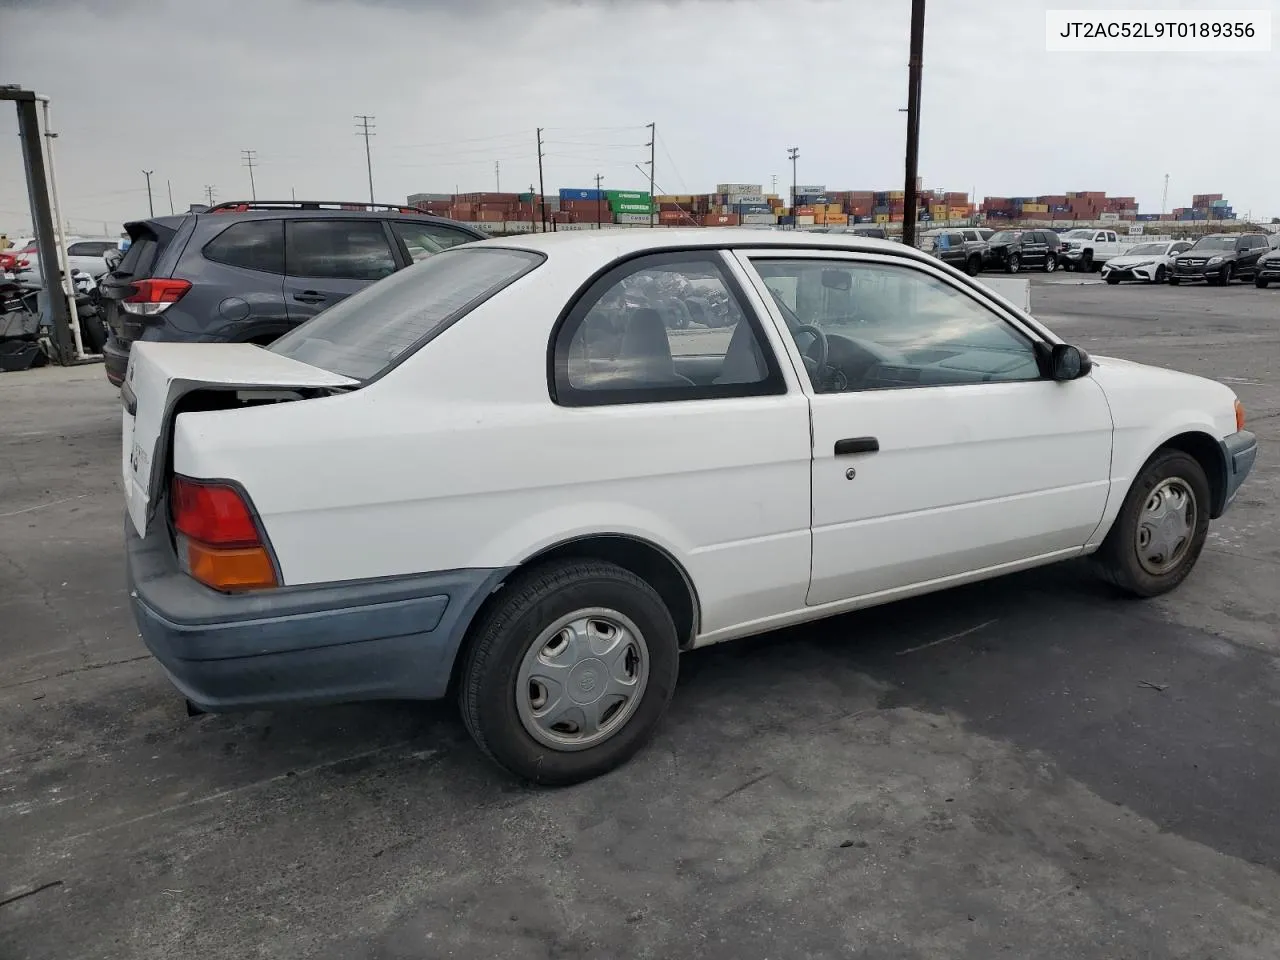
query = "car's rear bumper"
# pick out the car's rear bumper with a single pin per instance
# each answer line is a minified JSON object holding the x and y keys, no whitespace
{"x":393,"y":638}
{"x":1239,"y":452}
{"x":115,"y":359}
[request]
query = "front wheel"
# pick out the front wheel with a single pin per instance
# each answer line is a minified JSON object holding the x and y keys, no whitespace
{"x":1015,"y":263}
{"x":1174,"y":281}
{"x":1161,"y":275}
{"x":974,"y":266}
{"x":1050,"y":263}
{"x":1112,"y":279}
{"x":1226,"y":278}
{"x":1086,"y":262}
{"x":1161,"y":529}
{"x":1261,"y":284}
{"x":569,"y":673}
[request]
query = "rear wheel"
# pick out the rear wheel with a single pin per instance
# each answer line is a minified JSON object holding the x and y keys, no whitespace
{"x":1015,"y":263}
{"x":1161,"y":529}
{"x":1226,"y":277}
{"x":974,"y":266}
{"x":568,"y":675}
{"x":1051,"y":263}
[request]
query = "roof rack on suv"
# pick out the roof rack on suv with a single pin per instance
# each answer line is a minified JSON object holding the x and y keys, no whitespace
{"x":241,"y":206}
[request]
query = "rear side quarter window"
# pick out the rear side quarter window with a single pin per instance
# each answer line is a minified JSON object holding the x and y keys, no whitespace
{"x":252,"y":245}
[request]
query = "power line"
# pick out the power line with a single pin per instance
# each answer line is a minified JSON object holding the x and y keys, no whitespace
{"x":249,"y":157}
{"x":365,"y":126}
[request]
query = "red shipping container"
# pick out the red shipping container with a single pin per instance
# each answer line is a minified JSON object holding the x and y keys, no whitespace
{"x":720,"y":220}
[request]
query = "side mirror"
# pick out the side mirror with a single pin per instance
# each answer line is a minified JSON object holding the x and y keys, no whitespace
{"x":1068,"y":363}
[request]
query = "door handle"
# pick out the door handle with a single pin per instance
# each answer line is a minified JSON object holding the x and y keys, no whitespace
{"x":310,"y":296}
{"x":853,"y":445}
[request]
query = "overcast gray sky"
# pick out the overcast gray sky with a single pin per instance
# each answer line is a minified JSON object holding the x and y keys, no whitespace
{"x":181,"y":87}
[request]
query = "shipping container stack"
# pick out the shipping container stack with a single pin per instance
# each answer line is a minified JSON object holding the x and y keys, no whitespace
{"x":1206,"y":206}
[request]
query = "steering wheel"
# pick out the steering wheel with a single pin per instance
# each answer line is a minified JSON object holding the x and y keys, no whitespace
{"x":819,"y":341}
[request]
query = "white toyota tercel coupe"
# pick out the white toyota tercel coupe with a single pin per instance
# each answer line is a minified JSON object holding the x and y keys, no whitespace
{"x":502,"y":475}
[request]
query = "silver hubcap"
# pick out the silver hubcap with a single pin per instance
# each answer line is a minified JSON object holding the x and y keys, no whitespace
{"x":582,"y":679}
{"x":1013,"y":264}
{"x":1051,"y":264}
{"x":1165,"y":526}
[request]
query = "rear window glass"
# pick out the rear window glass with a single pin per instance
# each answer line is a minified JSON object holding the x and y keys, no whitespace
{"x":139,"y":257}
{"x":369,"y":331}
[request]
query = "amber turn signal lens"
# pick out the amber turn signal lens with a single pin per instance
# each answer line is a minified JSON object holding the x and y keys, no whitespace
{"x":230,"y":568}
{"x":1239,"y":416}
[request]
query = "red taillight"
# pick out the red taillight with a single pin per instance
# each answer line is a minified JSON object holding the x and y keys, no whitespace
{"x":154,"y":296}
{"x":213,"y":513}
{"x":218,"y":540}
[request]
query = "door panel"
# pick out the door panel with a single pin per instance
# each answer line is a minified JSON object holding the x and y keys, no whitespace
{"x":976,"y":461}
{"x":328,"y":260}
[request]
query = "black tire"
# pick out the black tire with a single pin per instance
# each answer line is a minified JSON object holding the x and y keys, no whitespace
{"x":1051,"y":263}
{"x":1226,"y":278}
{"x":1260,"y":283}
{"x":1174,"y":281}
{"x":1117,"y":559}
{"x":1086,"y":262}
{"x":1161,"y":275}
{"x":974,"y":266}
{"x":525,"y":606}
{"x":1014,"y":263}
{"x":1112,"y":279}
{"x":93,"y":332}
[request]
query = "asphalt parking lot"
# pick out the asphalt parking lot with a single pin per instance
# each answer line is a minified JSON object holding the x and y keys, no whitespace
{"x":1025,"y":768}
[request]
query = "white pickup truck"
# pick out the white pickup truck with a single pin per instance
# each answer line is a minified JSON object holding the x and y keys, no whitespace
{"x":1088,"y":249}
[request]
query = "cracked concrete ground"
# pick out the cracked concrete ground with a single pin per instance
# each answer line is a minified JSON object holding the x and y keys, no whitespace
{"x":1065,"y":775}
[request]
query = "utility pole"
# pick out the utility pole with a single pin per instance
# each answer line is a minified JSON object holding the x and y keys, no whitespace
{"x":542,"y":203}
{"x":209,"y":191}
{"x":249,"y":156}
{"x":915,"y":70}
{"x":365,"y":126}
{"x":533,"y":209}
{"x":497,"y":175}
{"x":293,"y":194}
{"x":1164,"y":201}
{"x":793,"y":154}
{"x":599,"y":202}
{"x":653,"y":139}
{"x":151,"y":210}
{"x":169,"y":186}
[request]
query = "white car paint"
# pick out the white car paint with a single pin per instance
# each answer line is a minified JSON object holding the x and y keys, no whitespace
{"x":458,"y":457}
{"x":1145,"y":266}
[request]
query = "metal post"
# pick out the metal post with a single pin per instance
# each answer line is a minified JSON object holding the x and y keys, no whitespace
{"x":151,"y":209}
{"x":169,"y":186}
{"x":915,"y":69}
{"x":599,"y":203}
{"x":653,"y":139}
{"x":533,"y":208}
{"x":793,"y":153}
{"x":542,"y":203}
{"x":65,"y":283}
{"x":41,"y":215}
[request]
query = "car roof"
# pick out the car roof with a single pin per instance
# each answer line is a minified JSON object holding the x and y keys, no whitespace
{"x":611,"y":244}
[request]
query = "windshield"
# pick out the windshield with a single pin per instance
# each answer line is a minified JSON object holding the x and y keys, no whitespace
{"x":1215,"y":243}
{"x":366,"y":333}
{"x":1148,"y":249}
{"x":1005,"y":236}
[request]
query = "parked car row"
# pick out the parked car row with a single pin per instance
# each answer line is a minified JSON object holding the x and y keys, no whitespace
{"x":1214,"y":259}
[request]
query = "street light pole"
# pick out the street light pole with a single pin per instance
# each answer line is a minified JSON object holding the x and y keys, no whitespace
{"x":915,"y":68}
{"x":151,"y":210}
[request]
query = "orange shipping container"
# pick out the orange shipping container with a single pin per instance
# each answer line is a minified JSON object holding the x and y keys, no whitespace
{"x":806,"y":211}
{"x":720,"y":220}
{"x":837,"y":219}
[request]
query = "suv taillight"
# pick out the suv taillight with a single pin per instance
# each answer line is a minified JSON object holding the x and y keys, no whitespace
{"x":219,"y":542}
{"x":151,"y":297}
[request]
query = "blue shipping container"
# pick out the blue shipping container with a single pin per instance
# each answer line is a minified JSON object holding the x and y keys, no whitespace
{"x":581,"y":194}
{"x":809,"y":199}
{"x":786,"y":221}
{"x":1146,"y":217}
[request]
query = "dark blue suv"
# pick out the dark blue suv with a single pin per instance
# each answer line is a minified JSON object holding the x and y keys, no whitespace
{"x":247,"y":272}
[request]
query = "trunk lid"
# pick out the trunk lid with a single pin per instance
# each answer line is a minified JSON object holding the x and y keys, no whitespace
{"x":160,"y":375}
